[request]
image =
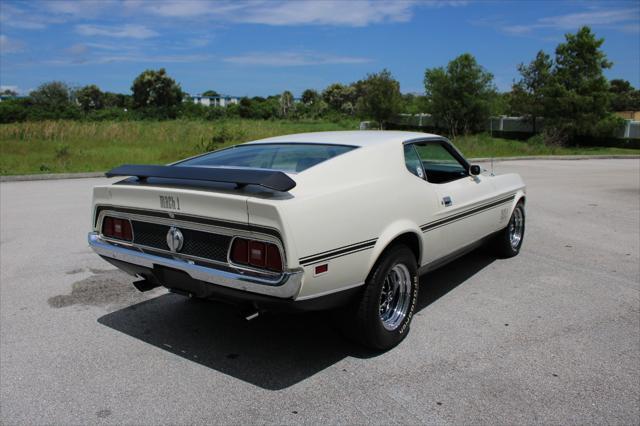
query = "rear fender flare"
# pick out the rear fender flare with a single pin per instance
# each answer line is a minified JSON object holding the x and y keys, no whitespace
{"x":387,"y":237}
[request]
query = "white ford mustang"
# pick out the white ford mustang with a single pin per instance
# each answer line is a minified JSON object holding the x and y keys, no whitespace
{"x":308,"y":221}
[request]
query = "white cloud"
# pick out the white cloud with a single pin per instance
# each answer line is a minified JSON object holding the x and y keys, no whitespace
{"x":292,"y":59}
{"x":354,"y":13}
{"x":596,"y":17}
{"x":123,"y":31}
{"x":189,"y":8}
{"x":593,"y":18}
{"x":518,"y":29}
{"x":631,"y":28}
{"x":8,"y":45}
{"x":105,"y":46}
{"x":341,"y":13}
{"x":37,"y":15}
{"x":155,"y":58}
{"x":10,"y":87}
{"x":79,"y":9}
{"x":199,"y":41}
{"x":78,"y":49}
{"x":12,"y":16}
{"x":132,"y":58}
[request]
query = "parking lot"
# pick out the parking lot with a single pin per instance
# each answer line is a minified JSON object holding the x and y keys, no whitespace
{"x":551,"y":336}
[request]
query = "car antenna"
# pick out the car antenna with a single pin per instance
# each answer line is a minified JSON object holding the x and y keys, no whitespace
{"x":492,"y":166}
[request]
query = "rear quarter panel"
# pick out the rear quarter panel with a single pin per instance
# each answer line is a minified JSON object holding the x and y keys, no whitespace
{"x":357,"y":197}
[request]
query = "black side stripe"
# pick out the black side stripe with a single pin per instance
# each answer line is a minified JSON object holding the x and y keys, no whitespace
{"x":340,"y":251}
{"x":456,"y":217}
{"x":339,"y":248}
{"x":454,"y":221}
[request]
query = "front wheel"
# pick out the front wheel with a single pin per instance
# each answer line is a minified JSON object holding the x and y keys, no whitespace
{"x":384,"y":312}
{"x":507,"y":242}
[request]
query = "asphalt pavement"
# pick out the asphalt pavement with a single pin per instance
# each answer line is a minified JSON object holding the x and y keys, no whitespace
{"x":549,"y":337}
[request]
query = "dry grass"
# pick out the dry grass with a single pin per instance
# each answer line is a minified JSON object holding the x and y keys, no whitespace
{"x":75,"y":146}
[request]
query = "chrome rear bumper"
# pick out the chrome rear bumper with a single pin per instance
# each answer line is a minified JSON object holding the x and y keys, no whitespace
{"x":285,"y":285}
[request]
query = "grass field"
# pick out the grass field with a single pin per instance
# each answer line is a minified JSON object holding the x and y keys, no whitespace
{"x":483,"y":145}
{"x":74,"y":146}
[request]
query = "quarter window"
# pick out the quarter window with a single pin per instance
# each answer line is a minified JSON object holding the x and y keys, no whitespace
{"x":412,"y":161}
{"x":439,"y":164}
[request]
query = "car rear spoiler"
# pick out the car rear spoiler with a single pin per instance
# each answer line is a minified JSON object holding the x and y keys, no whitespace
{"x":271,"y":179}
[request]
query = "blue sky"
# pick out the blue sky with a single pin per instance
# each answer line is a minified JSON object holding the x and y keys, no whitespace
{"x":264,"y":47}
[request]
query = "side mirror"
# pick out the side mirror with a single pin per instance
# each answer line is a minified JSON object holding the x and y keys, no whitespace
{"x":474,"y":170}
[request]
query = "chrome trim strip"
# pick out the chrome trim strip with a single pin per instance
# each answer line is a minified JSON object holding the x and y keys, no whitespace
{"x":287,"y":284}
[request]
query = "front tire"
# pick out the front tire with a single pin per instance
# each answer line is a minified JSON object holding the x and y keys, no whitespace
{"x":508,"y":242}
{"x":384,"y":312}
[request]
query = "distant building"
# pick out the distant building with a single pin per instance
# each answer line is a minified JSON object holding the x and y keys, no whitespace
{"x":9,"y":97}
{"x":628,"y":115}
{"x":219,"y":101}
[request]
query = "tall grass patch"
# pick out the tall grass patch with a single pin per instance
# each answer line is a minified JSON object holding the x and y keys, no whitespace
{"x":75,"y":146}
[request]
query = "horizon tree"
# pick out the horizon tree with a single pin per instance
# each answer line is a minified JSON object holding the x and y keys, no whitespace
{"x":156,"y":89}
{"x":381,"y":98}
{"x":528,"y":94}
{"x":460,"y":96}
{"x":90,"y":97}
{"x":577,"y":99}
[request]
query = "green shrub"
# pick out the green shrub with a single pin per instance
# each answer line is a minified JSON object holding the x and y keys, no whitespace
{"x":13,"y":110}
{"x":222,"y":136}
{"x":62,"y":151}
{"x":110,"y":114}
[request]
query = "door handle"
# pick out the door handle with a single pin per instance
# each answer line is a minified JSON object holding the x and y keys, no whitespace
{"x":446,"y":201}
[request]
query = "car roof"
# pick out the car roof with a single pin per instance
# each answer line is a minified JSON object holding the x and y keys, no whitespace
{"x":359,"y":138}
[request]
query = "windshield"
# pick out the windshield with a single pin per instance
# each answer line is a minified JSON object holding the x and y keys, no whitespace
{"x":287,"y":157}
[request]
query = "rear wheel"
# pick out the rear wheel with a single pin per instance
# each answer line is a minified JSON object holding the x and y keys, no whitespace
{"x":384,"y":312}
{"x":507,"y":242}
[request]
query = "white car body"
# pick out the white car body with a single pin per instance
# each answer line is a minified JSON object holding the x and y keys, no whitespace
{"x":342,"y":213}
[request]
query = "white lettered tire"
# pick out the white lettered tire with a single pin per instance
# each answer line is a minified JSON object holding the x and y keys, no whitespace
{"x":507,"y":243}
{"x":384,"y":312}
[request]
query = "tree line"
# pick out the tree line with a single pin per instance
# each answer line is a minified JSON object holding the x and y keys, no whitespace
{"x":568,"y":90}
{"x":156,"y":95}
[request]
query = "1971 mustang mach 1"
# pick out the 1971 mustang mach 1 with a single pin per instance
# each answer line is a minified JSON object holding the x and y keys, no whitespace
{"x":309,"y":221}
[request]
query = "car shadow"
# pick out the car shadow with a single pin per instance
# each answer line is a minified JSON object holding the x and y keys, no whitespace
{"x":272,"y":351}
{"x":436,"y":284}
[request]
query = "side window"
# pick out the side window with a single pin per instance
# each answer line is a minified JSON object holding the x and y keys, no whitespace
{"x":412,"y":161}
{"x":439,"y":164}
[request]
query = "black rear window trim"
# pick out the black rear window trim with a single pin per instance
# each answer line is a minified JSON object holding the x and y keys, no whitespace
{"x":252,"y":144}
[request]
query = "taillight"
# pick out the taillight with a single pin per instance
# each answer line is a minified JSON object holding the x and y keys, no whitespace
{"x":258,"y":254}
{"x":120,"y":229}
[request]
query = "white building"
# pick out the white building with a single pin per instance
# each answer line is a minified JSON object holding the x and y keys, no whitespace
{"x":219,"y":101}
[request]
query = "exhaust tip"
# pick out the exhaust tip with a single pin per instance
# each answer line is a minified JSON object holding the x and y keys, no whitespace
{"x":252,"y":316}
{"x":144,"y":285}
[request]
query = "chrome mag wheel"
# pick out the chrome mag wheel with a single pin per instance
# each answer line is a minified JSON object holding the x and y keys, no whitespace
{"x":395,"y":297}
{"x":516,"y":227}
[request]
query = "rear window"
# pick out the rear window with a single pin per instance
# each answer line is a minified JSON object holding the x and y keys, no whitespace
{"x":289,"y":157}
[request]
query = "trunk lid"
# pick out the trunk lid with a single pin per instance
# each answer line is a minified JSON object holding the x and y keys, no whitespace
{"x":225,"y":205}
